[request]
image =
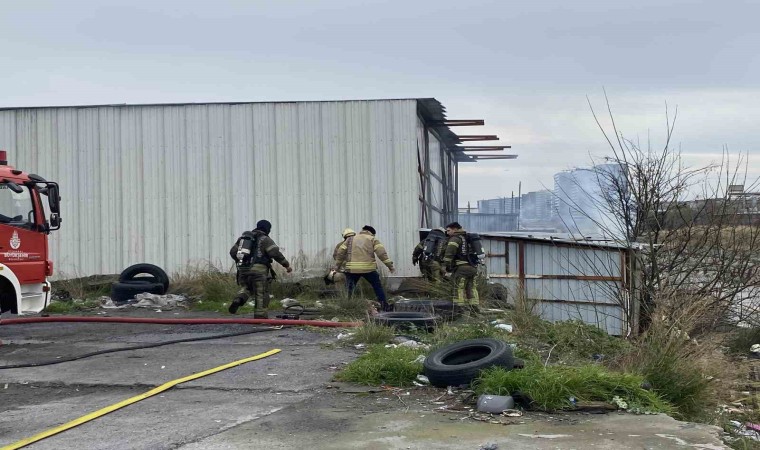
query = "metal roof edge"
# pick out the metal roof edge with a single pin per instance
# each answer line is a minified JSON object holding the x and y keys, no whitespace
{"x":123,"y":105}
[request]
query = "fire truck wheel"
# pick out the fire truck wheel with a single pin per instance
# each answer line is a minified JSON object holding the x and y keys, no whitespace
{"x":133,"y":272}
{"x":122,"y":292}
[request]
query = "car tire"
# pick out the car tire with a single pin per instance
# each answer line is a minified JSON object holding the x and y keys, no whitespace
{"x":444,"y":308}
{"x":154,"y":274}
{"x":122,"y":292}
{"x":406,"y":319}
{"x":460,"y":363}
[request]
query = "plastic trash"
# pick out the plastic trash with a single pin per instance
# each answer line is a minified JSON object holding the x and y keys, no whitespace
{"x":504,"y":326}
{"x":495,"y":404}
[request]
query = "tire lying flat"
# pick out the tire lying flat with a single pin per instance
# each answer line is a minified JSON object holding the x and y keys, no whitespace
{"x":138,"y":272}
{"x":406,"y":319}
{"x":122,"y":292}
{"x":460,"y":363}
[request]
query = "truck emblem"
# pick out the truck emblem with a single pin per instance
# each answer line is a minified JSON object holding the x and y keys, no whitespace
{"x":15,"y":241}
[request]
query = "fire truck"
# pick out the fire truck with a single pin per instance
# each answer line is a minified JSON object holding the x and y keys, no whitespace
{"x":25,"y":223}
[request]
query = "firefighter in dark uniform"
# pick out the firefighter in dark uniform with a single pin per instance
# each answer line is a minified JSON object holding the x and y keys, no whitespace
{"x":254,"y":267}
{"x":463,"y":273}
{"x":430,"y":265}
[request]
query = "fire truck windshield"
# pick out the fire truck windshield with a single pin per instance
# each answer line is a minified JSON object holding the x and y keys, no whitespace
{"x":16,"y":208}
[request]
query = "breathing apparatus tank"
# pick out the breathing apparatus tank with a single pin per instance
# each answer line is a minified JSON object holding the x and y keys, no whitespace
{"x":246,"y":247}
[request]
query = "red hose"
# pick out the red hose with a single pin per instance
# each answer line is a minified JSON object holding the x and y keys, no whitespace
{"x":313,"y":323}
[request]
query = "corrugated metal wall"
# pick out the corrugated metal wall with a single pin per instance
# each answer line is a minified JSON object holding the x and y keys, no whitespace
{"x":176,"y":184}
{"x":580,"y":283}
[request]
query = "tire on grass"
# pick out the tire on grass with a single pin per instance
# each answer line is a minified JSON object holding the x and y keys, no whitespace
{"x":460,"y":363}
{"x":406,"y":319}
{"x":138,"y":272}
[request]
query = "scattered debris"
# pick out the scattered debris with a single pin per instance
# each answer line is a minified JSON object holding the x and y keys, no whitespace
{"x":545,"y":436}
{"x":499,"y":324}
{"x":145,"y":300}
{"x":489,"y":446}
{"x":495,"y":404}
{"x":420,"y":359}
{"x":423,"y":379}
{"x":342,"y":336}
{"x":288,"y":302}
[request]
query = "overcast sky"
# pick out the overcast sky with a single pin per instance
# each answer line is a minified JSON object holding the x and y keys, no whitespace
{"x":524,"y":67}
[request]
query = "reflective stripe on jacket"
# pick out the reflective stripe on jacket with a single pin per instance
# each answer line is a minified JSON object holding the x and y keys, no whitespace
{"x":357,"y":254}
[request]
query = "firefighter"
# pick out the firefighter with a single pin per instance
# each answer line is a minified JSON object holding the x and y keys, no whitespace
{"x":254,"y":267}
{"x":356,"y":257}
{"x":430,"y":260}
{"x":334,"y":276}
{"x":457,"y":261}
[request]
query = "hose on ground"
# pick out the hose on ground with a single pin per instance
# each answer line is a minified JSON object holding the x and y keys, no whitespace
{"x":135,"y":347}
{"x":312,"y":323}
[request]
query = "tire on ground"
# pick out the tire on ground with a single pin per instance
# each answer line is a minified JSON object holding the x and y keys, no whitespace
{"x":154,"y":272}
{"x":446,"y":309}
{"x":122,"y":292}
{"x":460,"y":363}
{"x":406,"y":319}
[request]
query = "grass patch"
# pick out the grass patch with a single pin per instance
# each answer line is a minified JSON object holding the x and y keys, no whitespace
{"x":346,"y":308}
{"x":673,"y":364}
{"x":552,"y":387}
{"x":371,"y":333}
{"x":451,"y":333}
{"x":582,"y":340}
{"x":383,"y":366}
{"x":64,"y":307}
{"x":740,"y":341}
{"x":207,"y":288}
{"x":82,"y":287}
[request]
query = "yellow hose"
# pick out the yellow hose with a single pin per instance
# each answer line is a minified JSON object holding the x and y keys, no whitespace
{"x":129,"y":401}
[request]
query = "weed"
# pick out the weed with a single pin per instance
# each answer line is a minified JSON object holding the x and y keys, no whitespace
{"x":740,"y":341}
{"x":371,"y":333}
{"x":451,"y":333}
{"x":552,"y":387}
{"x":82,"y":287}
{"x":346,"y":307}
{"x":670,"y":361}
{"x":582,"y":340}
{"x":380,"y":365}
{"x":64,"y":307}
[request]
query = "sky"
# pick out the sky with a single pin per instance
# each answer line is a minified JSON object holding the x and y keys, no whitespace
{"x":529,"y":69}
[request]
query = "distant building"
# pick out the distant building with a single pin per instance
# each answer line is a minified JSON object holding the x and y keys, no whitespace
{"x":537,"y":209}
{"x":582,"y":199}
{"x":503,"y":205}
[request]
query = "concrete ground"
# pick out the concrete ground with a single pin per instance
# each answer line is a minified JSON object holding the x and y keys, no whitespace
{"x":284,"y":401}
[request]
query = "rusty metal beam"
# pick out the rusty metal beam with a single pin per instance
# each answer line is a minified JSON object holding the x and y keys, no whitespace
{"x":457,"y":123}
{"x":482,"y":148}
{"x":487,"y":157}
{"x":477,"y":137}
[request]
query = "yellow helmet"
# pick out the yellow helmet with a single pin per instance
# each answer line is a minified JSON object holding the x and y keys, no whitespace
{"x":348,"y":232}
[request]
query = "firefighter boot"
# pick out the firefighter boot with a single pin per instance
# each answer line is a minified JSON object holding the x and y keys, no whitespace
{"x":236,"y":304}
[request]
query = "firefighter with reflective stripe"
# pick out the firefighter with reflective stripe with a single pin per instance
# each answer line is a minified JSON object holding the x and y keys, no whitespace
{"x":457,"y":262}
{"x":334,"y":276}
{"x":254,"y":267}
{"x":430,"y":261}
{"x":356,"y":257}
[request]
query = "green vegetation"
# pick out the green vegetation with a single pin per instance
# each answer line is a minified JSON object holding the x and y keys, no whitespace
{"x":371,"y":333}
{"x":670,"y":362}
{"x":69,"y":306}
{"x":740,"y":341}
{"x":387,"y":366}
{"x":551,"y":387}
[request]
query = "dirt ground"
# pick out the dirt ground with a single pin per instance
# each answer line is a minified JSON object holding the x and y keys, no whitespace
{"x":285,"y":401}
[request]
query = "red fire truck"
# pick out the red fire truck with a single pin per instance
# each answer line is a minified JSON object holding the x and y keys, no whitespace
{"x":25,"y":223}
